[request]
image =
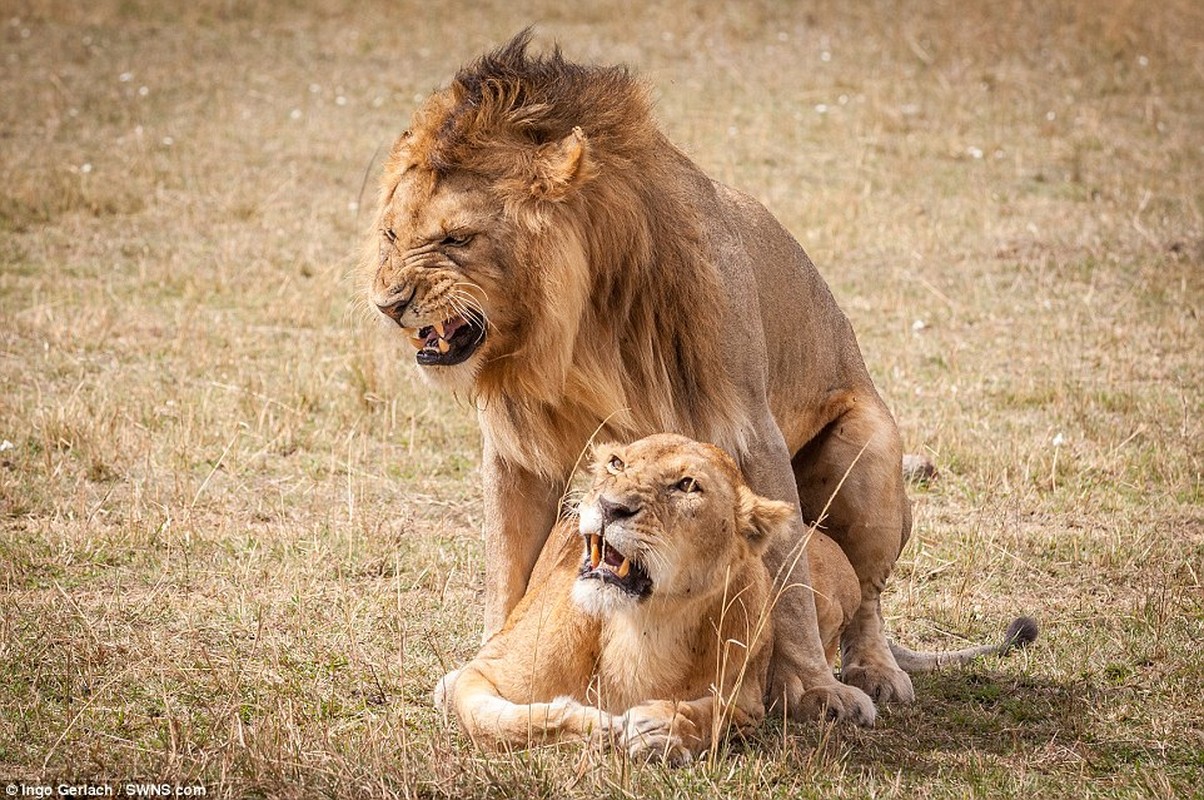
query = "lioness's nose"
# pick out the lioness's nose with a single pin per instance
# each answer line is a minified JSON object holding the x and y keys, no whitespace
{"x":612,"y":510}
{"x":397,"y":308}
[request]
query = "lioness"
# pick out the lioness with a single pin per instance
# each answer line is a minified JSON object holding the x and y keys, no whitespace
{"x":649,"y":619}
{"x":551,"y":254}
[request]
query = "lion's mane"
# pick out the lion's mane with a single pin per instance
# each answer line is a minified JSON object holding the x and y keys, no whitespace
{"x":629,"y":329}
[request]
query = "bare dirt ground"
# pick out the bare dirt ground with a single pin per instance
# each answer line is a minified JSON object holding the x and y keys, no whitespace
{"x":239,"y":539}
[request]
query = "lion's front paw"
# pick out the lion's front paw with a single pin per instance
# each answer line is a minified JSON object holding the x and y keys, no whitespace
{"x":837,"y":703}
{"x":657,"y":732}
{"x":883,"y":684}
{"x":832,"y":701}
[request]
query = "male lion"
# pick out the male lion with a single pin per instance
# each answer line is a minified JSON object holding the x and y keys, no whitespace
{"x":550,"y":253}
{"x":648,"y":622}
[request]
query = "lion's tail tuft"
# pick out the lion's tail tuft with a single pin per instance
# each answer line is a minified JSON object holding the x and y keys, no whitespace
{"x":1021,"y":633}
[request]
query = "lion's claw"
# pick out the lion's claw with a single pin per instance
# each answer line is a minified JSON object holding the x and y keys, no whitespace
{"x":443,"y":689}
{"x":837,"y":703}
{"x":660,"y":747}
{"x":883,"y":684}
{"x":834,"y":702}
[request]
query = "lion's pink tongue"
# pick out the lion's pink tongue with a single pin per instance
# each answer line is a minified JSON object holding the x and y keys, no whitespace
{"x":440,"y":334}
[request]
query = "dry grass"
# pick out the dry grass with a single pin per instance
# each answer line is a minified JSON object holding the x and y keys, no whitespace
{"x":238,"y":540}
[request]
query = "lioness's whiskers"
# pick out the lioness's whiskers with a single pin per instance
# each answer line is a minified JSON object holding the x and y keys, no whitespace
{"x":654,"y":557}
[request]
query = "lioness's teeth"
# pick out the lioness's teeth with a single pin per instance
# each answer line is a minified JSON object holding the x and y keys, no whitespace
{"x":624,"y":568}
{"x":443,"y":345}
{"x":595,"y":551}
{"x":417,"y":342}
{"x":439,"y":330}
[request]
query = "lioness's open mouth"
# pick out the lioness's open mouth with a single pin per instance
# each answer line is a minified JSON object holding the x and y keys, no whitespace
{"x":447,"y":343}
{"x":604,"y":563}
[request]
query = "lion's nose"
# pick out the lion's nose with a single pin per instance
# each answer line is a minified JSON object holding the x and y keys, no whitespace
{"x":396,"y":309}
{"x":612,"y":510}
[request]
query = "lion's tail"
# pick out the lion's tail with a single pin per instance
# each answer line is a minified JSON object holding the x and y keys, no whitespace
{"x":1021,"y":633}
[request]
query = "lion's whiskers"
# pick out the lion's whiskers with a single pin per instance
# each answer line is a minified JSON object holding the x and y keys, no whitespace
{"x":464,"y":296}
{"x":456,"y":286}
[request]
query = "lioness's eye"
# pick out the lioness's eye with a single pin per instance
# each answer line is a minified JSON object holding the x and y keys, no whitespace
{"x":687,"y":485}
{"x":389,"y":234}
{"x":615,"y":465}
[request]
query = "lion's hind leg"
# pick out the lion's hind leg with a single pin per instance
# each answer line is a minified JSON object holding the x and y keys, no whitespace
{"x":850,"y":482}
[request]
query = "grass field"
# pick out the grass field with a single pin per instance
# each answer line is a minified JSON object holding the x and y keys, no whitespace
{"x":239,"y":538}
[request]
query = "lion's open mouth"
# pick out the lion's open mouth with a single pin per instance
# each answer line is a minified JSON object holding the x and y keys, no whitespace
{"x":447,"y":343}
{"x":604,"y":563}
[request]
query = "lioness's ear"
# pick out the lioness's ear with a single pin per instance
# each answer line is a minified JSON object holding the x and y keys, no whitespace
{"x":599,"y":450}
{"x":559,"y":167}
{"x":761,"y":519}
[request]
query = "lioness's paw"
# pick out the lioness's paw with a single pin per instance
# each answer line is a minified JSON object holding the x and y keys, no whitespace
{"x":833,"y":701}
{"x":656,"y":732}
{"x":443,"y":689}
{"x":595,"y":725}
{"x":883,"y":684}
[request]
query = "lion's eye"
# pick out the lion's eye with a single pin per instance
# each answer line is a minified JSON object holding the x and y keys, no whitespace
{"x":615,"y":465}
{"x":390,"y":235}
{"x":687,"y":485}
{"x":456,"y":240}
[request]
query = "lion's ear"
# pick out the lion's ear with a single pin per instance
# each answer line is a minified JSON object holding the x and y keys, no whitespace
{"x":760,"y":519}
{"x":559,"y":167}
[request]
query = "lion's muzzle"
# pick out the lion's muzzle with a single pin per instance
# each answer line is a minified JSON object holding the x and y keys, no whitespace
{"x":395,"y":308}
{"x":447,"y":343}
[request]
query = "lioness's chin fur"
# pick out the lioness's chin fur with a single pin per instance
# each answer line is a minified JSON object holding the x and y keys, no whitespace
{"x":601,"y":602}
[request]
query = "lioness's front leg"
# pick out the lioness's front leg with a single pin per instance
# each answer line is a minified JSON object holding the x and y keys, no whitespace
{"x":494,"y":722}
{"x":799,"y":675}
{"x":520,"y":510}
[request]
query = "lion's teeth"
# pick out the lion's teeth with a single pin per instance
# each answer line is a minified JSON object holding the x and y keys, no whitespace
{"x":443,"y":345}
{"x":439,"y":330}
{"x":624,"y":568}
{"x":418,"y":342}
{"x":595,"y":551}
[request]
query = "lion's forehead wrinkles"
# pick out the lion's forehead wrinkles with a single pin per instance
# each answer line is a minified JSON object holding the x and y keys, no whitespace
{"x":420,"y":218}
